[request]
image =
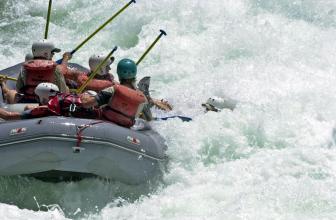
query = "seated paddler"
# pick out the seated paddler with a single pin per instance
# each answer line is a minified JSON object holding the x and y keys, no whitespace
{"x":40,"y":69}
{"x":124,"y":102}
{"x":54,"y":103}
{"x":101,"y":80}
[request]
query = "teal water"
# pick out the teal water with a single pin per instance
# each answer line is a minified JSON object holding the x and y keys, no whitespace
{"x":274,"y":157}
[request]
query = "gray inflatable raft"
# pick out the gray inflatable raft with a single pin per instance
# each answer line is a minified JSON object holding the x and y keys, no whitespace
{"x":54,"y":148}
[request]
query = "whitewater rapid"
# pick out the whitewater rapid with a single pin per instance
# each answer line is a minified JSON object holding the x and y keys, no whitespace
{"x":273,"y":157}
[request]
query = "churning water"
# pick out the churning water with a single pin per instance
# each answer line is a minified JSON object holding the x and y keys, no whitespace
{"x":273,"y":157}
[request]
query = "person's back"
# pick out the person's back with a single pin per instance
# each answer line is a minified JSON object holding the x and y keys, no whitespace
{"x":40,"y":69}
{"x":124,"y":106}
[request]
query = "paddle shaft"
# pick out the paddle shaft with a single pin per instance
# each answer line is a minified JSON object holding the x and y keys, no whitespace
{"x":102,"y":26}
{"x":81,"y":89}
{"x":99,"y":29}
{"x":183,"y":118}
{"x":7,"y":77}
{"x":151,"y":46}
{"x":48,"y":20}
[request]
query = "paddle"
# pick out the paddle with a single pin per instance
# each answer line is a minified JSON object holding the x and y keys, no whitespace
{"x":4,"y":77}
{"x":159,"y":104}
{"x":48,"y":20}
{"x":151,"y":46}
{"x":99,"y":29}
{"x":183,"y":118}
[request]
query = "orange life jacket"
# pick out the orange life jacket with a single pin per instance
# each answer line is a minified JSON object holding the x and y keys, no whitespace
{"x":125,"y":105}
{"x":36,"y":72}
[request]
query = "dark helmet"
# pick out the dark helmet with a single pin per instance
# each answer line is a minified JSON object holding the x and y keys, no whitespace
{"x":126,"y":69}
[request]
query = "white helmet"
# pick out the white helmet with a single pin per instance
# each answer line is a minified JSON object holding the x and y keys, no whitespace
{"x":45,"y":90}
{"x":217,"y":103}
{"x":94,"y":62}
{"x":44,"y":49}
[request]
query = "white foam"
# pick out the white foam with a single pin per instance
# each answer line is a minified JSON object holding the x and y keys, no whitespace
{"x":272,"y":158}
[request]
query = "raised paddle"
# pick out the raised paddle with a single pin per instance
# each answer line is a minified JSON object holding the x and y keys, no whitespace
{"x":48,"y":20}
{"x":162,"y":32}
{"x":99,"y":29}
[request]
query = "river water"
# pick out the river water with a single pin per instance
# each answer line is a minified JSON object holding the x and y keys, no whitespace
{"x":273,"y":157}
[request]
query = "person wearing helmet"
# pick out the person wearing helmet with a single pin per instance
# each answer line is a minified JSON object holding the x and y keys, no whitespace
{"x":10,"y":95}
{"x":39,"y":69}
{"x":44,"y":91}
{"x":127,"y":71}
{"x":103,"y":79}
{"x":54,"y":103}
{"x":104,"y":71}
{"x":123,"y":103}
{"x":216,"y":104}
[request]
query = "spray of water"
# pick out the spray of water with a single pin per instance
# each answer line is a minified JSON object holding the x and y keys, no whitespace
{"x":271,"y":158}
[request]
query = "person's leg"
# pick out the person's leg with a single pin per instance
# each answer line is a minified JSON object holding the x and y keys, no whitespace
{"x":9,"y":94}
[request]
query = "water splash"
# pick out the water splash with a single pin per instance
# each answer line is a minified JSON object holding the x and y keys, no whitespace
{"x":272,"y":158}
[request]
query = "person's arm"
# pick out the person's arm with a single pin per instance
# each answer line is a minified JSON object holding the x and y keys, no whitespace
{"x":102,"y":98}
{"x":63,"y":85}
{"x":88,"y":101}
{"x":161,"y":104}
{"x":8,"y":94}
{"x":6,"y":115}
{"x":60,"y":81}
{"x":38,"y":112}
{"x":66,"y":57}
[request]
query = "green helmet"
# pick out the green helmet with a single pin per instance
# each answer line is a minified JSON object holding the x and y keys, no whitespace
{"x":126,"y":69}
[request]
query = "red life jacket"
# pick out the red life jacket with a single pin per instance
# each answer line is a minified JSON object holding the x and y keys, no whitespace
{"x":36,"y":72}
{"x":125,"y":105}
{"x":71,"y":105}
{"x":41,"y":111}
{"x":65,"y":104}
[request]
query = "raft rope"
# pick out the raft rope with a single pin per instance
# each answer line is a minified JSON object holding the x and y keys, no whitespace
{"x":79,"y":134}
